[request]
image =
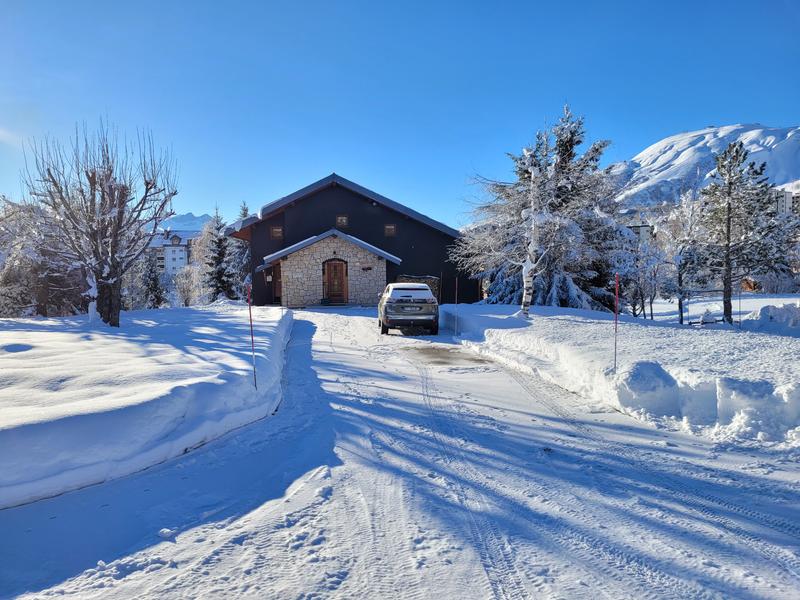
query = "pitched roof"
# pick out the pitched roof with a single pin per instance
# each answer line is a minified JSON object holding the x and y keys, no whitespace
{"x":313,"y":240}
{"x":334,"y":179}
{"x":164,"y":238}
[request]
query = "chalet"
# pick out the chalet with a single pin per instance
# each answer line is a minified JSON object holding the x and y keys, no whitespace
{"x":336,"y":242}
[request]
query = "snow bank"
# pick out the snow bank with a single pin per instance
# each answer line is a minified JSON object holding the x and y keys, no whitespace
{"x":83,"y":403}
{"x":729,"y":384}
{"x":781,"y":320}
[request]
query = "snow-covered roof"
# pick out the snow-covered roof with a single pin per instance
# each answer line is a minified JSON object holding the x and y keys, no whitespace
{"x":270,"y":258}
{"x":164,"y":238}
{"x":241,"y":224}
{"x":331,"y":180}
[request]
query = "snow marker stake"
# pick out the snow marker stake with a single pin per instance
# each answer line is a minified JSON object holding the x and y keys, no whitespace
{"x":252,"y":337}
{"x":616,"y":317}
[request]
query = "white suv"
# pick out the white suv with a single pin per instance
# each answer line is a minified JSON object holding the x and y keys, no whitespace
{"x":408,"y":305}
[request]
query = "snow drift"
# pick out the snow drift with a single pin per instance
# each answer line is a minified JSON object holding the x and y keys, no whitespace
{"x":728,"y":384}
{"x":781,"y":320}
{"x":84,"y":403}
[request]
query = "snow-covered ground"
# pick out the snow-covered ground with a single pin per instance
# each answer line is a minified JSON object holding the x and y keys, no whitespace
{"x":732,"y":385}
{"x":696,"y":307}
{"x":410,"y":467}
{"x":82,"y":403}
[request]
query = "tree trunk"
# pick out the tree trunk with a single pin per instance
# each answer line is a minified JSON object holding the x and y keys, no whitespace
{"x":727,"y":267}
{"x":680,"y":297}
{"x":527,"y":287}
{"x":109,"y":302}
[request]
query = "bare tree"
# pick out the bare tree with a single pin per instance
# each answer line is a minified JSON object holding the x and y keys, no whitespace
{"x":107,"y":200}
{"x":187,"y":284}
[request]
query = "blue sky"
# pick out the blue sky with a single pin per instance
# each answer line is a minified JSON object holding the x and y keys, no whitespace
{"x":411,"y":99}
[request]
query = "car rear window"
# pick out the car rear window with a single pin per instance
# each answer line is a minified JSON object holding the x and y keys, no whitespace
{"x":417,"y":293}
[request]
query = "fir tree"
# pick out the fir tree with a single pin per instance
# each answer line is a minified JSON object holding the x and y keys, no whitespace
{"x":219,"y":275}
{"x":154,"y":287}
{"x":240,"y":258}
{"x":743,"y":232}
{"x":555,"y":223}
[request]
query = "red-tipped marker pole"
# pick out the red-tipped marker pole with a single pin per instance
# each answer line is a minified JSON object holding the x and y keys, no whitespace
{"x":616,"y":316}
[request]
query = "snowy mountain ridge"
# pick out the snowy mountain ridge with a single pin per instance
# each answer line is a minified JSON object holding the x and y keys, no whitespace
{"x":686,"y":160}
{"x":186,"y":221}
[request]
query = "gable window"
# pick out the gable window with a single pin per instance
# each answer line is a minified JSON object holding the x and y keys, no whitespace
{"x":390,"y":230}
{"x":342,"y":221}
{"x":276,"y":232}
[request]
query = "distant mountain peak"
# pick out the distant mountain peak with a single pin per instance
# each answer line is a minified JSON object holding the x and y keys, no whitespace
{"x":185,"y":222}
{"x":686,"y":160}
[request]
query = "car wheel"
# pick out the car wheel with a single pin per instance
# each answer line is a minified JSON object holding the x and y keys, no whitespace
{"x":384,"y":328}
{"x":434,"y":329}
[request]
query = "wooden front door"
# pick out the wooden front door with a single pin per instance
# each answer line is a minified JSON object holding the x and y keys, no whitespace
{"x":335,"y":281}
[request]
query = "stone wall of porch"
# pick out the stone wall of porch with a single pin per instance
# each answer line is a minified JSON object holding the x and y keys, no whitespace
{"x":302,"y":279}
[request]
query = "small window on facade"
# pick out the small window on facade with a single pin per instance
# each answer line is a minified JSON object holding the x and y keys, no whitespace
{"x":342,"y":221}
{"x":389,"y":230}
{"x":276,"y":232}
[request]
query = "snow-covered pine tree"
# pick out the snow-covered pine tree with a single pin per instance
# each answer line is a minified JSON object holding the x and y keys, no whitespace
{"x":743,"y":232}
{"x":104,"y":201}
{"x":504,"y":285}
{"x":153,"y":283}
{"x":555,"y":223}
{"x":240,"y":257}
{"x":219,"y":274}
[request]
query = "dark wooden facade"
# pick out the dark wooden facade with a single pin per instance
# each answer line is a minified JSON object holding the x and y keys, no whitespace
{"x":422,"y":247}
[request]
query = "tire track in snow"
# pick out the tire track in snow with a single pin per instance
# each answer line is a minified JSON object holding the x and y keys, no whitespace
{"x":494,"y":551}
{"x":787,"y":561}
{"x":366,"y":500}
{"x":651,"y":582}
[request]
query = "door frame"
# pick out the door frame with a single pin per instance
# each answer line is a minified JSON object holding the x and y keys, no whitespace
{"x":273,"y":287}
{"x":326,"y":273}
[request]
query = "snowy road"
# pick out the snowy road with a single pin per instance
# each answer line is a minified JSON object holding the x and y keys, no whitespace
{"x":404,"y":467}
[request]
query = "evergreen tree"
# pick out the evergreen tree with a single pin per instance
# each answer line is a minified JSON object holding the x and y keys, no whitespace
{"x":555,"y":223}
{"x":219,"y":275}
{"x":154,"y":286}
{"x":244,"y":210}
{"x":505,"y":285}
{"x":744,"y":234}
{"x":240,"y":257}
